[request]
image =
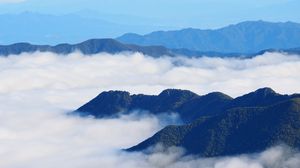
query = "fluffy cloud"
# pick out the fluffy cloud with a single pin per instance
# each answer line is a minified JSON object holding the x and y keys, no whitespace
{"x":34,"y":133}
{"x":37,"y":90}
{"x":139,"y":74}
{"x":276,"y":157}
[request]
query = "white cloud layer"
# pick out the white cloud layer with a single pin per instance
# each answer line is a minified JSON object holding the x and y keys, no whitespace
{"x":139,"y":74}
{"x":276,"y":157}
{"x":36,"y":90}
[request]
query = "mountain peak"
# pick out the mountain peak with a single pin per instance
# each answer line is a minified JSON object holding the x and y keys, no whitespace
{"x":107,"y":104}
{"x":261,"y":93}
{"x":260,"y":97}
{"x":114,"y":92}
{"x":263,"y":23}
{"x":218,"y":94}
{"x":176,"y":92}
{"x":265,"y":92}
{"x":104,"y":40}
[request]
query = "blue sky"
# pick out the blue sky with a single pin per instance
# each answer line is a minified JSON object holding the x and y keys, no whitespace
{"x":173,"y":13}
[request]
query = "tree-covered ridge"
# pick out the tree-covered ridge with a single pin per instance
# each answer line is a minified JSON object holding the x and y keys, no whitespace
{"x":188,"y":105}
{"x":237,"y":131}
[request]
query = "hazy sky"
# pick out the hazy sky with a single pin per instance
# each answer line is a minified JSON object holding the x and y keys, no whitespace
{"x":179,"y":13}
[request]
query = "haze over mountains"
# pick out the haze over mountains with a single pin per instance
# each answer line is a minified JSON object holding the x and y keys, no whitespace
{"x":216,"y":124}
{"x":245,"y":37}
{"x":111,"y":46}
{"x":93,"y":46}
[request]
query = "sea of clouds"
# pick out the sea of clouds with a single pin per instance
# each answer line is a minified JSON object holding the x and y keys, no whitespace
{"x":37,"y":90}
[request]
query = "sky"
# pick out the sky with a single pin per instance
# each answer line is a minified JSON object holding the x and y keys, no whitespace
{"x":73,"y":21}
{"x":175,"y":13}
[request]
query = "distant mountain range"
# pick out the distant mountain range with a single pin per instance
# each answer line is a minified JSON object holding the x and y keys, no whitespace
{"x":112,"y":46}
{"x":92,"y":46}
{"x":246,"y":37}
{"x":215,"y":124}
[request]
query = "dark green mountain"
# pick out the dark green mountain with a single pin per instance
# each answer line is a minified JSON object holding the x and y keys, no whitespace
{"x":246,"y":37}
{"x":186,"y":104}
{"x":214,"y":124}
{"x":250,"y":123}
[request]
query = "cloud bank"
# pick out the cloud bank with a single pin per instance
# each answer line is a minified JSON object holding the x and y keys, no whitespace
{"x":140,"y":74}
{"x":37,"y":90}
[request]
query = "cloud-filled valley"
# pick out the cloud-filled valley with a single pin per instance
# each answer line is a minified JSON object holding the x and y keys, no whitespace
{"x":37,"y":90}
{"x":137,"y":73}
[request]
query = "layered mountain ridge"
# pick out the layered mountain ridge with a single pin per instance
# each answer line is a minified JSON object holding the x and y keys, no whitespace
{"x":188,"y":105}
{"x":111,"y":46}
{"x":93,"y":46}
{"x":214,"y":124}
{"x":237,"y":131}
{"x":245,"y":37}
